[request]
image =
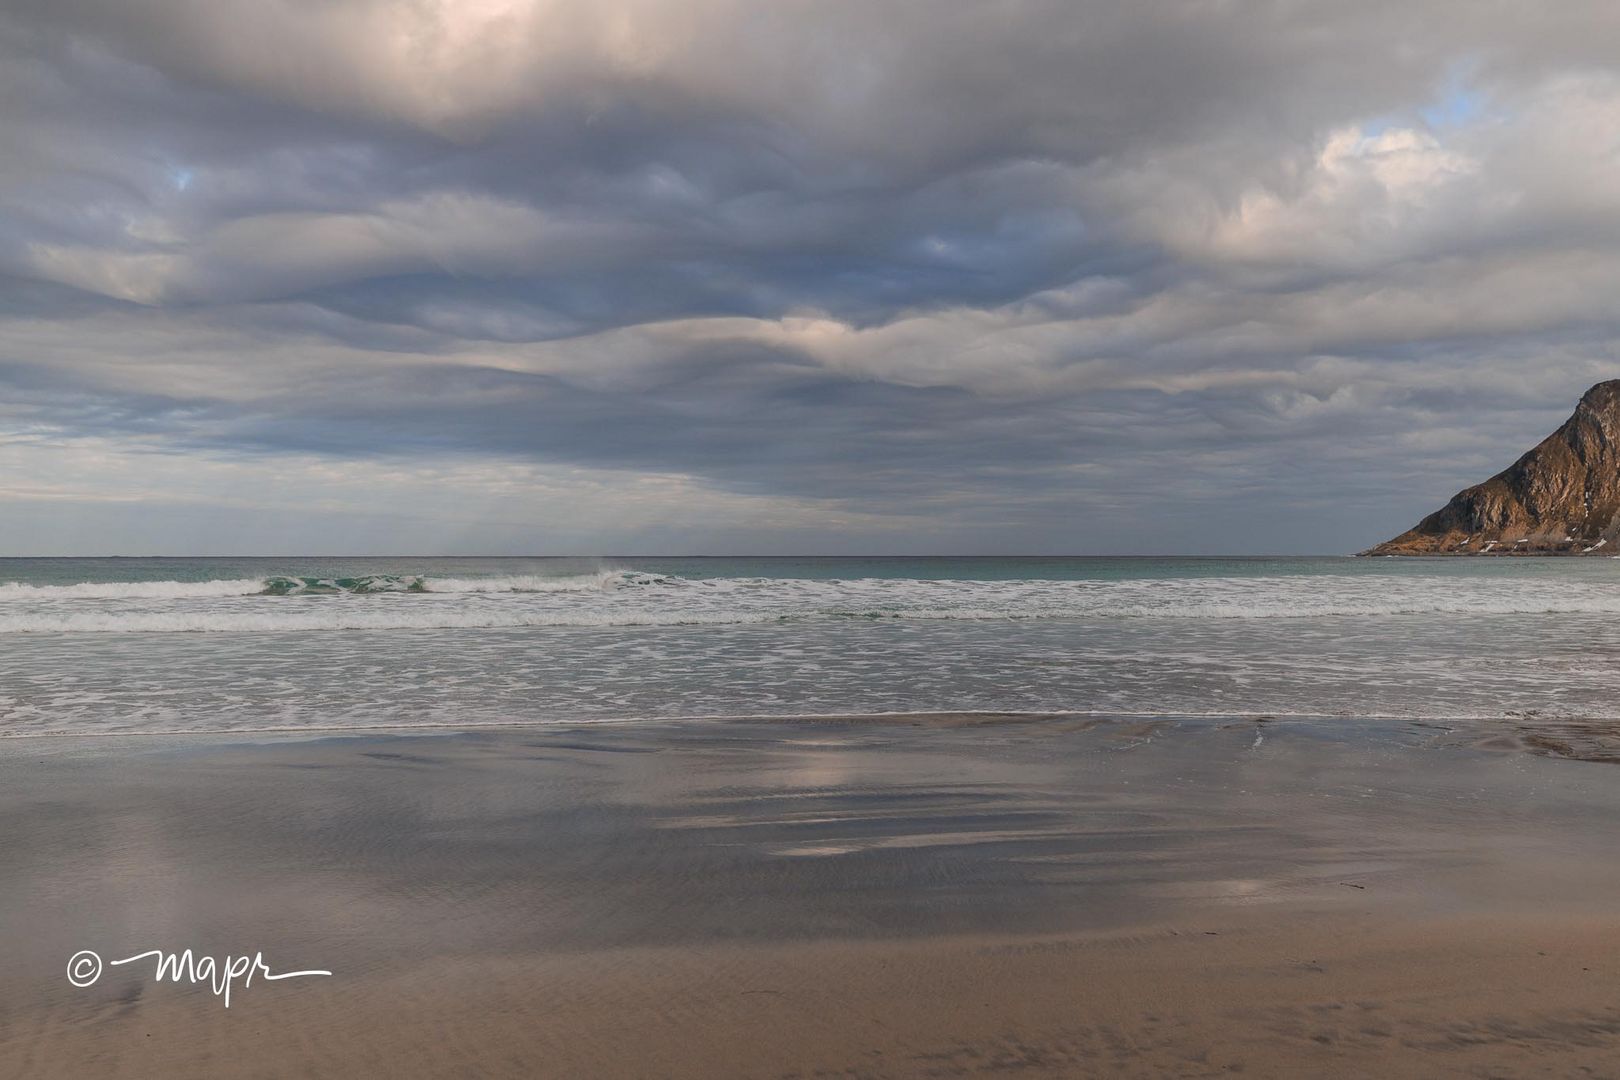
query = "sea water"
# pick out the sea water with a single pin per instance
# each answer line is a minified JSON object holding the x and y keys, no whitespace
{"x":105,"y":646}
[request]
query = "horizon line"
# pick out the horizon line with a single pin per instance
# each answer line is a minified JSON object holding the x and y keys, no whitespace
{"x":651,"y":555}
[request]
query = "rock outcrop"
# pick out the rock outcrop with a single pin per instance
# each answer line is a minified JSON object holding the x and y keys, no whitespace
{"x":1562,"y":498}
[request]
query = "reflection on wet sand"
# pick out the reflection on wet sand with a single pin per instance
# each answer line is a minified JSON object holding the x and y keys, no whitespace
{"x":941,"y":895}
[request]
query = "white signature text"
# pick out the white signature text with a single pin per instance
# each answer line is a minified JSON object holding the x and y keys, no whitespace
{"x":84,"y":968}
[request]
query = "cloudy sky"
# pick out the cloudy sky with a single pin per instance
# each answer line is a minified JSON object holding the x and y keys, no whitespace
{"x":830,"y":276}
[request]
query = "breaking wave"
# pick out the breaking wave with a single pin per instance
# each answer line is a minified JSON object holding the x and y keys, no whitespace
{"x":287,"y":585}
{"x":633,"y":598}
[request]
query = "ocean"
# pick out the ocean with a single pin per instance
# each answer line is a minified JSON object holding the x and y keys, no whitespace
{"x":191,"y":645}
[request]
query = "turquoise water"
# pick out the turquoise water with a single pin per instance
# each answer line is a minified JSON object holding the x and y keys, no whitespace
{"x":191,"y":645}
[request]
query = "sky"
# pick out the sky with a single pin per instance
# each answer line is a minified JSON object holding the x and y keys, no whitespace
{"x":822,"y":277}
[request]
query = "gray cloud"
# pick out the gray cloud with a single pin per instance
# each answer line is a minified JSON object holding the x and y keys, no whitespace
{"x":1030,"y":276}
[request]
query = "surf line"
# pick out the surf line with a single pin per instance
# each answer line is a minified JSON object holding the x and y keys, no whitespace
{"x":84,"y":968}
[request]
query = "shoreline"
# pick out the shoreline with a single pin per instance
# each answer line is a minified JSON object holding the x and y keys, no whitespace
{"x":1575,"y":738}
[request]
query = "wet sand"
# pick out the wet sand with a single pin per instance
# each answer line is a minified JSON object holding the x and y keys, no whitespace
{"x":928,"y":896}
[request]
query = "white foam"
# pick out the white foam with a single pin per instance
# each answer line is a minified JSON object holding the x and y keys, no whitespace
{"x":630,"y":598}
{"x":289,"y":585}
{"x":535,"y":583}
{"x":111,"y":590}
{"x":345,"y":617}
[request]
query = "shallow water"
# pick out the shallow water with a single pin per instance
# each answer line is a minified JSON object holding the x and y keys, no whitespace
{"x":189,"y":645}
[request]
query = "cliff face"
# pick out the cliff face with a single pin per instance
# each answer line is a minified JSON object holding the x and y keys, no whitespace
{"x":1562,"y":498}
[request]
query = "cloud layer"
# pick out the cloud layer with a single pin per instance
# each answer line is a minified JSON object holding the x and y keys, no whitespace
{"x":1014,"y":276}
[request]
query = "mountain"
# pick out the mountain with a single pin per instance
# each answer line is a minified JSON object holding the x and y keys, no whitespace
{"x":1562,"y":498}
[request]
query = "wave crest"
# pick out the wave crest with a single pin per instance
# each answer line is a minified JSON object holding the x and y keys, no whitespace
{"x":634,"y":598}
{"x":290,"y":585}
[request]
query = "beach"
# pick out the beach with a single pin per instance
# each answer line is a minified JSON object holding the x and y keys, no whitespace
{"x":895,"y":896}
{"x":831,"y":540}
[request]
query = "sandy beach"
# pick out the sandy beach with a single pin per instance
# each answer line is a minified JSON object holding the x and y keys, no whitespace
{"x":891,"y":897}
{"x":832,"y":540}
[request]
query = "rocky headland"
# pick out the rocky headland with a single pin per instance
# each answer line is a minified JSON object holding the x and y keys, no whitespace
{"x":1561,"y":498}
